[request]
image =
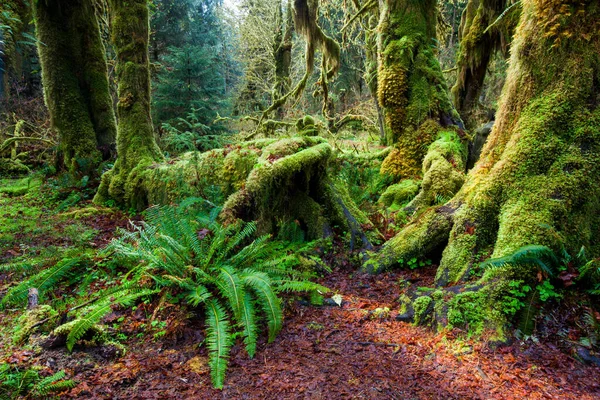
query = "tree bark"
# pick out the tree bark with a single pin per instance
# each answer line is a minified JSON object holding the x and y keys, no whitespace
{"x":283,"y":53}
{"x":478,"y":43}
{"x":536,"y":181}
{"x":74,"y":75}
{"x":136,"y":145}
{"x":411,"y":88}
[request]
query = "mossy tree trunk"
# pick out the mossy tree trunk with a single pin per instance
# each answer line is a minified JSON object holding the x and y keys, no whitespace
{"x":421,"y":122}
{"x":537,"y":179}
{"x":411,"y":88}
{"x":14,"y":16}
{"x":136,"y":146}
{"x":283,"y":52}
{"x":74,"y":75}
{"x":481,"y":34}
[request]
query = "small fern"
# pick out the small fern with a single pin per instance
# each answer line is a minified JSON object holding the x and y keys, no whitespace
{"x":43,"y":281}
{"x":222,"y":270}
{"x":534,"y":255}
{"x":93,"y":314}
{"x":18,"y":383}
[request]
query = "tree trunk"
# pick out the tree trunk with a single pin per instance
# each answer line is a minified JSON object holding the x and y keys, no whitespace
{"x":75,"y":80}
{"x":283,"y":53}
{"x":14,"y":15}
{"x":136,"y":145}
{"x":477,"y":45}
{"x":421,"y":122}
{"x":411,"y":88}
{"x":537,"y":179}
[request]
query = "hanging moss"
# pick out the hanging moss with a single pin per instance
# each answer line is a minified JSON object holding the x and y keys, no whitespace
{"x":75,"y":80}
{"x":536,"y":181}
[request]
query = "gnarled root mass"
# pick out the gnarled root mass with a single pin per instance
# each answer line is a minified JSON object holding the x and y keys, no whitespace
{"x":536,"y":181}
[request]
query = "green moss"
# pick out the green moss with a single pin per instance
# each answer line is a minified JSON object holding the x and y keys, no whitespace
{"x":400,"y":193}
{"x":422,"y":309}
{"x":75,"y":79}
{"x":40,"y":318}
{"x":12,"y":168}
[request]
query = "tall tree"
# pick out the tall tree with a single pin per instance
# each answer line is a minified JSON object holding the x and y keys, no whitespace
{"x":411,"y":88}
{"x":536,"y":181}
{"x":14,"y":20}
{"x":283,"y":50}
{"x":74,"y":76}
{"x":136,"y":146}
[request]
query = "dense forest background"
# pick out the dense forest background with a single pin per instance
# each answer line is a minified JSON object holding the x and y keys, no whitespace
{"x":411,"y":186}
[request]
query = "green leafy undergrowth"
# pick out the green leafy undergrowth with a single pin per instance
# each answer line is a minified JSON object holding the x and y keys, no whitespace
{"x":234,"y":279}
{"x":16,"y":382}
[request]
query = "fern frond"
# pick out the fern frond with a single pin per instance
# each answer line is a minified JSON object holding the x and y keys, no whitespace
{"x":52,"y":384}
{"x":248,"y":321}
{"x":230,"y":286}
{"x":540,"y":256}
{"x":267,"y":299}
{"x":247,"y":231}
{"x":256,"y":250}
{"x":99,"y":310}
{"x":198,"y":295}
{"x":219,"y":341}
{"x":300,"y":286}
{"x":43,"y":281}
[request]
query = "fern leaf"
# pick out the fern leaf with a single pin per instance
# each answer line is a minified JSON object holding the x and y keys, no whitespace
{"x":219,"y":341}
{"x":51,"y":384}
{"x":99,"y":310}
{"x":249,"y":326}
{"x":300,"y":286}
{"x":267,"y":299}
{"x":43,"y":281}
{"x":198,"y":295}
{"x":232,"y":289}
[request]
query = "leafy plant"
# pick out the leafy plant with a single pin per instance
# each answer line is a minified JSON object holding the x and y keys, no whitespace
{"x":190,"y":134}
{"x":533,"y":255}
{"x":44,"y":280}
{"x":91,"y":315}
{"x":220,"y":269}
{"x":16,"y":382}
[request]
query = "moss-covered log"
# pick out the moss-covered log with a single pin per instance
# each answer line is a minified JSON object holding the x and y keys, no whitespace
{"x":482,"y":32}
{"x":269,"y":181}
{"x":411,"y":88}
{"x":136,"y":146}
{"x":74,"y":75}
{"x":536,"y":181}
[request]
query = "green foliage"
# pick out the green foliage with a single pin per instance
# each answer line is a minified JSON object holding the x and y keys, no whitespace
{"x":190,"y":134}
{"x":191,"y":43}
{"x":220,"y":269}
{"x":534,"y":255}
{"x":123,"y":295}
{"x":413,"y":263}
{"x":16,"y":382}
{"x":44,"y":281}
{"x":513,"y":301}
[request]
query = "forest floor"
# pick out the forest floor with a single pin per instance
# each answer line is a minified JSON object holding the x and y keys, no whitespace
{"x":356,"y":350}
